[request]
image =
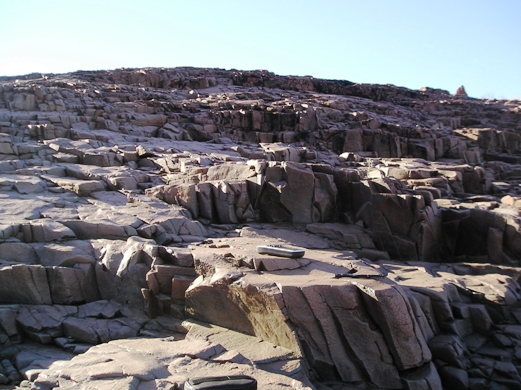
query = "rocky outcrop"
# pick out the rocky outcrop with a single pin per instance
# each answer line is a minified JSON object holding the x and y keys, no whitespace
{"x":412,"y":325}
{"x":133,"y":199}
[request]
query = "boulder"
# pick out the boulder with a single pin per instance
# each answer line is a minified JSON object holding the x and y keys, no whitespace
{"x":205,"y":200}
{"x":184,"y":195}
{"x":453,"y":377}
{"x":179,"y":226}
{"x":180,"y":284}
{"x":229,"y":171}
{"x":164,"y":274}
{"x":450,"y":349}
{"x":121,"y":272}
{"x":424,"y":378}
{"x":325,"y":197}
{"x":8,"y":323}
{"x":176,"y":256}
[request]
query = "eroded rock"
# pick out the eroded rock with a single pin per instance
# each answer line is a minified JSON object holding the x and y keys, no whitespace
{"x":146,"y":191}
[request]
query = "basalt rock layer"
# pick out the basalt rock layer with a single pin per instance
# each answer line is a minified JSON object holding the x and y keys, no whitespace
{"x":132,"y":200}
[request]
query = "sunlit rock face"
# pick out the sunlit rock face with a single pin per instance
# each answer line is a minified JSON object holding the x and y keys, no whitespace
{"x":132,"y":202}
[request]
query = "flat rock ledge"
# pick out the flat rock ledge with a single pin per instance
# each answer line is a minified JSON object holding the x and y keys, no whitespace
{"x":165,"y":363}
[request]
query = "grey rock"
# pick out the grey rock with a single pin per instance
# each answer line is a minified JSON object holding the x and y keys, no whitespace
{"x":18,"y":252}
{"x":450,"y":349}
{"x":453,"y":377}
{"x":43,"y":230}
{"x":8,"y":321}
{"x":151,"y":361}
{"x":66,"y":254}
{"x":480,"y":317}
{"x":71,"y":286}
{"x":100,"y":309}
{"x":93,"y":229}
{"x":44,"y":319}
{"x":24,"y":284}
{"x":403,"y":335}
{"x":95,"y":331}
{"x":426,"y":377}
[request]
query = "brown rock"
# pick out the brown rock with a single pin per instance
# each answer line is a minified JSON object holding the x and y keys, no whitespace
{"x":461,"y":92}
{"x":71,"y":286}
{"x":403,"y":335}
{"x":179,"y":286}
{"x":297,"y":196}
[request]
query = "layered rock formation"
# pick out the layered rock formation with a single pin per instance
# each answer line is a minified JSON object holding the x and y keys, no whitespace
{"x":133,"y":200}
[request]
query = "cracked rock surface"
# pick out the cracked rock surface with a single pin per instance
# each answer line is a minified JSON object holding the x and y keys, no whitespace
{"x":132,"y":202}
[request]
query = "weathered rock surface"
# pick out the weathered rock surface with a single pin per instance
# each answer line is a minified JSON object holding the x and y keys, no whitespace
{"x":165,"y":363}
{"x":133,"y":199}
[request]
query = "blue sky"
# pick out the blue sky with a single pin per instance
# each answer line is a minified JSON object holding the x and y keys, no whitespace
{"x":439,"y":44}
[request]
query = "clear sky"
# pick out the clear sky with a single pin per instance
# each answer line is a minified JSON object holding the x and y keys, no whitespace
{"x":411,"y":43}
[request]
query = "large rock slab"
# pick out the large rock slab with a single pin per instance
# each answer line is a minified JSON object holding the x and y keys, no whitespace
{"x":288,"y":236}
{"x":66,"y":254}
{"x":44,"y":230}
{"x":331,"y":317}
{"x":24,"y":284}
{"x":92,"y":229}
{"x":21,"y":207}
{"x":23,"y":184}
{"x":80,"y":187}
{"x":296,"y":192}
{"x":18,"y":252}
{"x":95,"y":331}
{"x":36,"y":359}
{"x":390,"y":309}
{"x":220,"y":301}
{"x":42,"y":323}
{"x":356,"y":348}
{"x":71,"y":286}
{"x":163,"y":363}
